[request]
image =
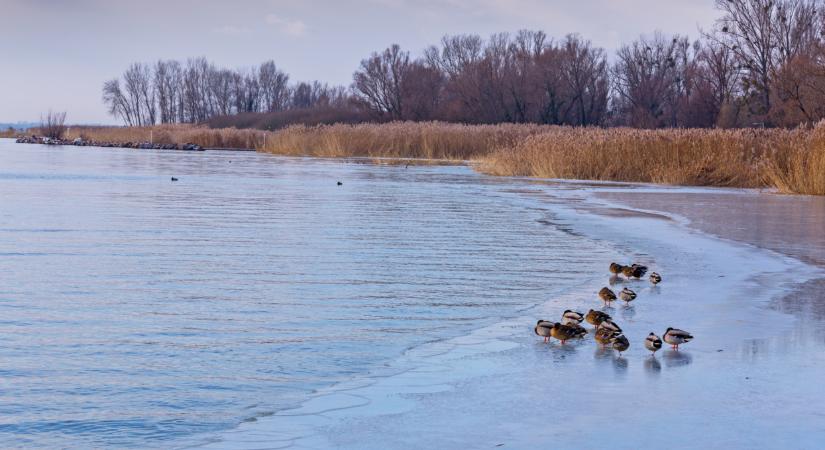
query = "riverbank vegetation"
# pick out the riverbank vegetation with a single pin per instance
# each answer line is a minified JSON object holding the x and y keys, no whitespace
{"x":790,"y":160}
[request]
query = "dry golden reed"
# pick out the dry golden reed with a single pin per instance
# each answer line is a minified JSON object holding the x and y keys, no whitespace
{"x":427,"y":140}
{"x":171,"y":134}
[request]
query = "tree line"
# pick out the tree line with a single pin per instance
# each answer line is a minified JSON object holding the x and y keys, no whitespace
{"x":761,"y":63}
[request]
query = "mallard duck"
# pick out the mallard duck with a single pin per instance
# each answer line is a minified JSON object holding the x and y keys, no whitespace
{"x":543,"y":328}
{"x":655,"y":278}
{"x":610,"y":325}
{"x":634,"y":271}
{"x":604,"y":336}
{"x":564,"y":332}
{"x":571,"y":317}
{"x":595,"y":318}
{"x":620,"y":343}
{"x":627,"y":295}
{"x":676,"y":337}
{"x":653,"y":343}
{"x":607,"y":295}
{"x":580,"y":330}
{"x":615,"y":268}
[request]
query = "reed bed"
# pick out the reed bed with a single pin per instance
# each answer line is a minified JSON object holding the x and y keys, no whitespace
{"x":171,"y":134}
{"x":424,"y":140}
{"x":793,"y":161}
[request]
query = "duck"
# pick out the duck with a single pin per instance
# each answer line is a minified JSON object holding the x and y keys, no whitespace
{"x":543,"y":328}
{"x":627,"y":295}
{"x":634,"y":271}
{"x":616,"y":268}
{"x":595,"y":318}
{"x":174,"y":179}
{"x":653,"y":343}
{"x":340,"y":183}
{"x":605,"y":336}
{"x":571,"y":317}
{"x":565,"y":332}
{"x":620,"y":344}
{"x":610,"y":325}
{"x":607,"y":295}
{"x":676,"y":337}
{"x":655,"y":278}
{"x":580,"y":330}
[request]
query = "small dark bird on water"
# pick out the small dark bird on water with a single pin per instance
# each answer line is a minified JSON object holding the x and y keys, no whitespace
{"x":616,"y":268}
{"x":655,"y":278}
{"x":174,"y":179}
{"x":340,"y":183}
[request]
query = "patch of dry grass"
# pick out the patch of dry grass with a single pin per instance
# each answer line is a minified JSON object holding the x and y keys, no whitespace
{"x":171,"y":134}
{"x":429,"y":140}
{"x":677,"y":156}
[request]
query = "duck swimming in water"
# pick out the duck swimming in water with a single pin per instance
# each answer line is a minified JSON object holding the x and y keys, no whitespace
{"x":595,"y":318}
{"x":676,"y":337}
{"x":627,"y":295}
{"x":571,"y":317}
{"x":655,"y":278}
{"x":543,"y":328}
{"x":607,"y":295}
{"x":615,"y":268}
{"x":653,"y":343}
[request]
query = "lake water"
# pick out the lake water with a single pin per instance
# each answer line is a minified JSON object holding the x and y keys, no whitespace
{"x":139,"y":312}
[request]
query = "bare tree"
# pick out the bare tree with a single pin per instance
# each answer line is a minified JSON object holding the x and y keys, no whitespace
{"x":646,"y":77}
{"x":378,"y":82}
{"x":53,"y":125}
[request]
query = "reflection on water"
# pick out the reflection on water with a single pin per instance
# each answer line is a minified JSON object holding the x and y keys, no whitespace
{"x":652,"y":365}
{"x":628,"y":312}
{"x":676,"y":358}
{"x":136,"y":311}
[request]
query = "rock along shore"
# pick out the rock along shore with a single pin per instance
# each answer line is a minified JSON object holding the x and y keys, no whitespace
{"x":88,"y":143}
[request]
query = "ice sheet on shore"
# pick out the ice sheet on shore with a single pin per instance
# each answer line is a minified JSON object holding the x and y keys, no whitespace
{"x":750,"y":379}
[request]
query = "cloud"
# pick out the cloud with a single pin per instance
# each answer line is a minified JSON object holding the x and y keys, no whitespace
{"x":291,"y":27}
{"x":232,"y":30}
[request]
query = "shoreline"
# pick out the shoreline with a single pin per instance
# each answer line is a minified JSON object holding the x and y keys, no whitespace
{"x":434,"y":385}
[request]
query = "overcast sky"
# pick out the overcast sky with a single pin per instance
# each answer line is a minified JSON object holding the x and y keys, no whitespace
{"x":57,"y":53}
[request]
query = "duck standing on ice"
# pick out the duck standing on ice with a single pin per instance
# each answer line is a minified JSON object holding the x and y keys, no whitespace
{"x":627,"y":295}
{"x":607,"y":295}
{"x":543,"y":328}
{"x":676,"y":337}
{"x":653,"y":343}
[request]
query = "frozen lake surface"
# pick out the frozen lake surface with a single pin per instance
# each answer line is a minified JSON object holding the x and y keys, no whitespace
{"x":255,"y":304}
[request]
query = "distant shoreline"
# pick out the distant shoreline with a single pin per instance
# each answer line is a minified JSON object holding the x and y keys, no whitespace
{"x":790,"y":161}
